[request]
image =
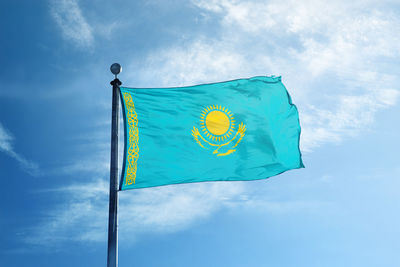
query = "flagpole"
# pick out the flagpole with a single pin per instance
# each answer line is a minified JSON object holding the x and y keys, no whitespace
{"x":112,"y":256}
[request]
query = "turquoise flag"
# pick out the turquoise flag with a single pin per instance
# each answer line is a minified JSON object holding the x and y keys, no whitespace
{"x":244,"y":129}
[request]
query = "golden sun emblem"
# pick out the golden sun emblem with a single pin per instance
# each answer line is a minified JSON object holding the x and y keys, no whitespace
{"x":218,"y":126}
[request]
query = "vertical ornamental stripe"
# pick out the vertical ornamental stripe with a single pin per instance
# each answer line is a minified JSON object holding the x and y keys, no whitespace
{"x":133,"y":140}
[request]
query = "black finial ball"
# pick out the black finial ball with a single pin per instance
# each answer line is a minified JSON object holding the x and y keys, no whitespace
{"x":115,"y":69}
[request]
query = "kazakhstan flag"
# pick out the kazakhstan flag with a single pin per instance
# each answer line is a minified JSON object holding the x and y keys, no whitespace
{"x":244,"y":129}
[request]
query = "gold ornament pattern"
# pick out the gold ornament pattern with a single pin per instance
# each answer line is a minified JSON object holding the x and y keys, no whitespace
{"x":133,"y":140}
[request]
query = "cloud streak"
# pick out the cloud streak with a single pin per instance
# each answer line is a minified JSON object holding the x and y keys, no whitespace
{"x":163,"y":209}
{"x":74,"y":26}
{"x":6,"y":140}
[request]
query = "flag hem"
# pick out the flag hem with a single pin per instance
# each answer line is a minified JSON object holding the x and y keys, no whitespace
{"x":219,"y":180}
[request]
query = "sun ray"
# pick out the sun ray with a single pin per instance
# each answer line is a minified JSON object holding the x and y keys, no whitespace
{"x":211,"y":126}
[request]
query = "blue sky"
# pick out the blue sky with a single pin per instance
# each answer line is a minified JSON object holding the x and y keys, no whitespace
{"x":339,"y":61}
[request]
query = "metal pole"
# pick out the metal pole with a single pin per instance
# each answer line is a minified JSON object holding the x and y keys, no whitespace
{"x":112,"y":256}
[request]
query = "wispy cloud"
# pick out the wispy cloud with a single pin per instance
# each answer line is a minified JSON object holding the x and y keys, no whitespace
{"x":201,"y":61}
{"x":337,"y":58}
{"x":6,"y":146}
{"x":352,"y":114}
{"x":164,"y":209}
{"x":74,"y":26}
{"x":5,"y":139}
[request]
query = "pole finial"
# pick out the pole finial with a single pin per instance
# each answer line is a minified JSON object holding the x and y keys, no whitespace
{"x":116,"y":69}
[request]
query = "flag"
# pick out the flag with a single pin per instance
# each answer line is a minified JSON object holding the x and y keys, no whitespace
{"x":245,"y":129}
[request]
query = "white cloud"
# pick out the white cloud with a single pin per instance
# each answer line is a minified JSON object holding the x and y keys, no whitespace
{"x":352,"y":114}
{"x":198,"y":62}
{"x":95,"y":165}
{"x":82,"y":217}
{"x":338,"y":58}
{"x":165,"y":209}
{"x":68,"y":16}
{"x":6,"y":140}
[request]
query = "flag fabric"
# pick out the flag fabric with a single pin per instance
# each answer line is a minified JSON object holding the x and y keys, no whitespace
{"x":245,"y":129}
